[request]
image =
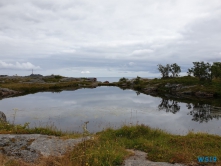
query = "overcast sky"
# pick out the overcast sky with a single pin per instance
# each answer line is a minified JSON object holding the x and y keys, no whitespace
{"x":85,"y":38}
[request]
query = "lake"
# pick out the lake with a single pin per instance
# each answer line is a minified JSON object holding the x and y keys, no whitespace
{"x":110,"y":107}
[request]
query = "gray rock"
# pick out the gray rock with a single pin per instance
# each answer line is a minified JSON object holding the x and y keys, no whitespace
{"x":139,"y":159}
{"x":5,"y":92}
{"x":30,"y":147}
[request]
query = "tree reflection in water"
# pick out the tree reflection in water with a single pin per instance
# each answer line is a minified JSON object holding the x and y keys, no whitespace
{"x":169,"y":106}
{"x":138,"y":93}
{"x":200,"y":112}
{"x":203,"y":112}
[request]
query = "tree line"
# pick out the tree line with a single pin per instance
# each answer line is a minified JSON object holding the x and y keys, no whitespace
{"x":201,"y":70}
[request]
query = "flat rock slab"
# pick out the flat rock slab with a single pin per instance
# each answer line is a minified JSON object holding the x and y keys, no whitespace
{"x":139,"y":159}
{"x":30,"y":147}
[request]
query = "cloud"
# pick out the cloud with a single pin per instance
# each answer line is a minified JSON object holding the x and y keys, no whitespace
{"x":69,"y":51}
{"x":142,"y":52}
{"x":18,"y":65}
{"x":131,"y":63}
{"x":85,"y":72}
{"x":129,"y":36}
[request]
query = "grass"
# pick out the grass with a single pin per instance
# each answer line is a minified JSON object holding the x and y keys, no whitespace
{"x":8,"y":128}
{"x":162,"y":146}
{"x":55,"y":78}
{"x":109,"y":147}
{"x":36,"y":87}
{"x":206,"y":86}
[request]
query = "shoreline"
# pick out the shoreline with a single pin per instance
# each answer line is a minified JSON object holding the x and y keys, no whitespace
{"x":179,"y":88}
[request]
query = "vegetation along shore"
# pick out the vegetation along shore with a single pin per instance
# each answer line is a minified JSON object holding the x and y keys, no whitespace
{"x":203,"y":81}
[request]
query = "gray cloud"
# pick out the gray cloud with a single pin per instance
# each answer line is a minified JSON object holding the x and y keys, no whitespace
{"x":107,"y":38}
{"x":18,"y":65}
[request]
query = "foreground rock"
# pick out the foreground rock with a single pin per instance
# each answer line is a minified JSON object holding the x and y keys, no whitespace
{"x":139,"y":159}
{"x":32,"y":146}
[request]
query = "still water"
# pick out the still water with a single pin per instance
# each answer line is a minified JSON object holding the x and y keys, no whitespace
{"x":110,"y":107}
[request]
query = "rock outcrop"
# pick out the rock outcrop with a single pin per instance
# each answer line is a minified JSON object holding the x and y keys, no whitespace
{"x":140,"y":159}
{"x":5,"y":92}
{"x":150,"y":90}
{"x":181,"y":90}
{"x":30,"y":147}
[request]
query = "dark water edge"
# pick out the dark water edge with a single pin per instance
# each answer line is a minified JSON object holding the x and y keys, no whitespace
{"x":115,"y":79}
{"x":110,"y":79}
{"x":112,"y":107}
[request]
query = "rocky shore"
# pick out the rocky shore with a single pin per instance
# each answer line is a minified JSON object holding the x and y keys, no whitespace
{"x":147,"y":86}
{"x":181,"y":90}
{"x":178,"y":90}
{"x":5,"y":92}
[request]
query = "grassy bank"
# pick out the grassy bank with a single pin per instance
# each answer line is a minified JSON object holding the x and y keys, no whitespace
{"x":213,"y":86}
{"x":139,"y":84}
{"x":109,"y":147}
{"x":37,"y":87}
{"x":191,"y":85}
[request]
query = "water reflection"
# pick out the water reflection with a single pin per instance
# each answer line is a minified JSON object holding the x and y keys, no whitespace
{"x":113,"y":107}
{"x":199,"y":111}
{"x":203,"y":112}
{"x":138,"y":93}
{"x":169,"y":106}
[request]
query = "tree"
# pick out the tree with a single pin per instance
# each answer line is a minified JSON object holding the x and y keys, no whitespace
{"x":164,"y":70}
{"x":175,"y":70}
{"x":123,"y":79}
{"x":201,"y":70}
{"x":216,"y":69}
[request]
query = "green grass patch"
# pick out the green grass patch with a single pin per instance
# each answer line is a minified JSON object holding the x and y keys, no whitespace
{"x":8,"y":128}
{"x":162,"y":146}
{"x":36,"y":87}
{"x":55,"y":78}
